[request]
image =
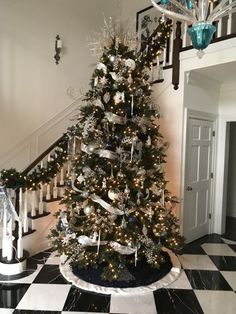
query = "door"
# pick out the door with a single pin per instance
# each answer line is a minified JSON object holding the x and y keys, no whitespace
{"x":198,"y":177}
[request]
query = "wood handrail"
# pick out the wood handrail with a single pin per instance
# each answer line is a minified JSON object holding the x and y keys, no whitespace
{"x":44,"y":154}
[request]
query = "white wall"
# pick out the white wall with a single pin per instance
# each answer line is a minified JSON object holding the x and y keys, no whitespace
{"x":33,"y":89}
{"x":231,"y":191}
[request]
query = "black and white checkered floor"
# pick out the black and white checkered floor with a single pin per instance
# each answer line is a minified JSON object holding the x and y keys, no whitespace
{"x":207,"y":285}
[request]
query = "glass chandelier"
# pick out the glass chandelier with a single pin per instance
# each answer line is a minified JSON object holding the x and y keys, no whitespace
{"x":196,"y":13}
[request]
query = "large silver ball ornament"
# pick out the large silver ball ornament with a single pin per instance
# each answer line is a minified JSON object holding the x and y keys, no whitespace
{"x":88,"y":210}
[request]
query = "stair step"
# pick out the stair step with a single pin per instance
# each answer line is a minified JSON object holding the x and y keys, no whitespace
{"x":30,"y":231}
{"x":52,"y":199}
{"x":14,"y":260}
{"x":38,"y":215}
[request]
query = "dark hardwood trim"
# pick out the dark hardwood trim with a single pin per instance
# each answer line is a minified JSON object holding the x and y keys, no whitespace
{"x":176,"y":51}
{"x":40,"y":157}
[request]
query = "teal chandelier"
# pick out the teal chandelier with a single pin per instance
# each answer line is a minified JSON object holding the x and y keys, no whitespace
{"x":198,"y":15}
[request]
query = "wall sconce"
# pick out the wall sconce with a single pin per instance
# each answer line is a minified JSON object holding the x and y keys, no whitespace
{"x":58,"y":47}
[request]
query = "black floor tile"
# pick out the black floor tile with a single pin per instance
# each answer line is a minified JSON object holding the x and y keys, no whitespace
{"x":192,"y":248}
{"x":172,"y":301}
{"x":211,"y":238}
{"x":207,"y":280}
{"x":82,"y":301}
{"x":224,"y":262}
{"x":11,"y":294}
{"x":232,"y":246}
{"x":50,"y":274}
{"x":230,"y":228}
{"x":39,"y":258}
{"x":35,"y":312}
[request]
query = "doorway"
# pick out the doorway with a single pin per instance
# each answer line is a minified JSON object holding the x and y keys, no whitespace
{"x":230,"y":219}
{"x":198,"y":184}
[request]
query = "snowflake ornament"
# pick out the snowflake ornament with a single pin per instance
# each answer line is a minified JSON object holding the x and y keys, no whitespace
{"x":130,"y":63}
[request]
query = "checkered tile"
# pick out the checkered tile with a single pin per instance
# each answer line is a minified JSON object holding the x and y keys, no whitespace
{"x":207,"y":284}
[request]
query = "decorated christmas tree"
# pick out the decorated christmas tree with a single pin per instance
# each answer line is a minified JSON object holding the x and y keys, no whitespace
{"x":117,"y":209}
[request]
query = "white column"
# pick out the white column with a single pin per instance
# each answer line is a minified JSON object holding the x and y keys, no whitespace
{"x":164,"y":57}
{"x":55,"y":187}
{"x":25,"y":215}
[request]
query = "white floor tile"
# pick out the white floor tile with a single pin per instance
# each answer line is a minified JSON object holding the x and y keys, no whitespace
{"x":28,"y":279}
{"x":230,"y":276}
{"x":44,"y":297}
{"x":80,"y":313}
{"x":53,"y":259}
{"x":228,"y":241}
{"x":181,"y":283}
{"x":133,"y":304}
{"x":216,"y":302}
{"x":191,"y":261}
{"x":218,"y":249}
{"x":6,"y":311}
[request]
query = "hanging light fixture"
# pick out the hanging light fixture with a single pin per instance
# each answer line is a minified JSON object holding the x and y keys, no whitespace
{"x":196,"y":13}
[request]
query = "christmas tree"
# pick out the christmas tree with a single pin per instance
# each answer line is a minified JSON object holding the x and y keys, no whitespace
{"x":118,"y":209}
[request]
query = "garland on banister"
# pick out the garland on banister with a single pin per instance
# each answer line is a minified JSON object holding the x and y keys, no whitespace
{"x":152,"y":46}
{"x":14,"y":179}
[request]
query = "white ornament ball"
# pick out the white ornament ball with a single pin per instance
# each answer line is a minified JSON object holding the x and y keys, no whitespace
{"x":112,"y":58}
{"x":88,"y":210}
{"x":113,"y":195}
{"x":130,"y":63}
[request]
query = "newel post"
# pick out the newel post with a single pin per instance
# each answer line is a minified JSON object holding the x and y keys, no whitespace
{"x":176,"y":50}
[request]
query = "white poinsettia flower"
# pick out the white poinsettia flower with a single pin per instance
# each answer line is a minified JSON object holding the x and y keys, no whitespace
{"x":102,"y":66}
{"x":119,"y":97}
{"x":130,"y":63}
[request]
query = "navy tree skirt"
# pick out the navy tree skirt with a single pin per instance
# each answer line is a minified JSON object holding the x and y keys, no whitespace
{"x":142,"y":275}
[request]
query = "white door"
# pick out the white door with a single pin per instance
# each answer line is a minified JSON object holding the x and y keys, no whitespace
{"x":198,"y":177}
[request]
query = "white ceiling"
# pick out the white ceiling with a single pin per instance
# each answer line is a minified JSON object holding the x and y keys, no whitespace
{"x":223,"y":73}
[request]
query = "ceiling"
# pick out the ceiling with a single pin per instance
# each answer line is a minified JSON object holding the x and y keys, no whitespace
{"x":222,"y":73}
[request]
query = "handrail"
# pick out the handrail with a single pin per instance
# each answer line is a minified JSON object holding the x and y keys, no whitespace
{"x":44,"y":154}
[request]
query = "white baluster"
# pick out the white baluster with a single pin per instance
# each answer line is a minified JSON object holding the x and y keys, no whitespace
{"x":19,"y":242}
{"x":62,"y":191}
{"x":9,"y":240}
{"x":33,"y":203}
{"x":48,"y":191}
{"x":185,"y":28}
{"x":55,"y":187}
{"x":171,"y":46}
{"x":20,"y":204}
{"x":4,"y":232}
{"x":229,"y":22}
{"x":219,"y":28}
{"x":164,"y":57}
{"x":62,"y":176}
{"x":41,"y":199}
{"x":25,"y":215}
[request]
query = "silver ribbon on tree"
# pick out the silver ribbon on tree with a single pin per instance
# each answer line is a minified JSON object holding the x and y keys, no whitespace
{"x":6,"y":205}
